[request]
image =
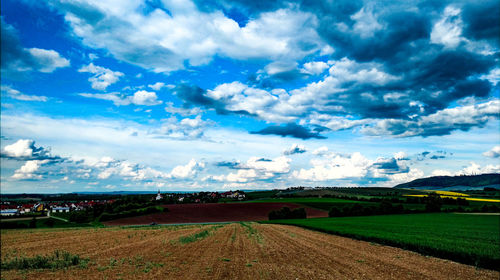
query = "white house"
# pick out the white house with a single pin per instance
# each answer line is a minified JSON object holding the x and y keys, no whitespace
{"x":60,"y":209}
{"x":158,"y":196}
{"x":9,"y":212}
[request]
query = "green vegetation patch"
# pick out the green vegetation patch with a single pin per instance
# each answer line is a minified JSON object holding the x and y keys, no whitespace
{"x":252,"y":232}
{"x":470,"y":239}
{"x":40,"y":223}
{"x":58,"y":260}
{"x":132,"y":213}
{"x":318,"y":203}
{"x":199,"y":235}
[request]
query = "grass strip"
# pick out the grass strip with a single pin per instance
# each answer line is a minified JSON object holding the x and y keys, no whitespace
{"x":57,"y":260}
{"x":469,"y":239}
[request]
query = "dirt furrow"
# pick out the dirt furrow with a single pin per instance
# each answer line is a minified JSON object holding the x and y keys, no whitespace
{"x":231,"y":251}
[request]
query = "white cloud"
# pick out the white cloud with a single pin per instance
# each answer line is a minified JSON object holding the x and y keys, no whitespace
{"x":107,"y":167}
{"x":493,"y":153}
{"x":163,"y":42}
{"x":184,"y":129}
{"x":157,"y":86}
{"x":439,"y":172}
{"x":141,"y":97}
{"x":401,"y":156}
{"x":366,"y":23}
{"x":278,"y":67}
{"x":493,"y":76}
{"x":21,"y":148}
{"x":16,"y":94}
{"x":439,"y":123}
{"x":314,"y":68}
{"x":242,"y":176}
{"x":146,"y":98}
{"x":170,"y":108}
{"x":257,"y":169}
{"x":276,"y":165}
{"x":187,"y":171}
{"x":476,"y":169}
{"x":295,"y":149}
{"x":102,"y":78}
{"x":336,"y":167}
{"x":448,"y":30}
{"x":48,"y":60}
{"x":28,"y":170}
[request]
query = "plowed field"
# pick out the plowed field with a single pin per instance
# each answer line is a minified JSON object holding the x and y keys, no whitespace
{"x":229,"y":251}
{"x":213,"y":212}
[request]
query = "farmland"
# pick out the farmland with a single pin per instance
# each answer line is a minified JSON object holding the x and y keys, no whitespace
{"x":213,"y":212}
{"x":473,"y":239}
{"x":229,"y":251}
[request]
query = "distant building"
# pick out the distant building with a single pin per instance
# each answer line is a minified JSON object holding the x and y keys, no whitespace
{"x":60,"y":209}
{"x":38,"y":207}
{"x":158,"y":196}
{"x":8,"y":212}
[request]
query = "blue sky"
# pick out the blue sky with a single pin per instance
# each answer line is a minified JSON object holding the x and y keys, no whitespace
{"x":218,"y":95}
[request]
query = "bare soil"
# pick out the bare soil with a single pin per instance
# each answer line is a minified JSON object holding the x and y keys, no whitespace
{"x":213,"y":212}
{"x":229,"y":251}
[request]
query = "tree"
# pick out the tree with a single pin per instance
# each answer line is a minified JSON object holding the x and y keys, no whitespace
{"x":33,"y":223}
{"x":433,"y":203}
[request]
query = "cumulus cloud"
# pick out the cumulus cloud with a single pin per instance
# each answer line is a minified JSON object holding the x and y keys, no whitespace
{"x":141,"y":97}
{"x":146,"y":98}
{"x":102,"y":78}
{"x":476,"y":169}
{"x":170,"y":108}
{"x":337,"y":167}
{"x":25,"y":149}
{"x":187,"y":171}
{"x":295,"y":149}
{"x":314,"y":68}
{"x":255,"y":169}
{"x":157,"y":86}
{"x":16,"y":59}
{"x":440,"y":123}
{"x":48,"y":60}
{"x":29,"y":170}
{"x":187,"y":128}
{"x":356,"y":167}
{"x":16,"y":94}
{"x":493,"y":153}
{"x":390,"y":166}
{"x":396,"y":65}
{"x":448,"y":30}
{"x":291,"y":129}
{"x":171,"y":33}
{"x":106,"y":167}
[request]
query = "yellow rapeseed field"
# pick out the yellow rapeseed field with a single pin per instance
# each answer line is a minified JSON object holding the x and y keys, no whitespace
{"x":455,"y":197}
{"x":450,"y":193}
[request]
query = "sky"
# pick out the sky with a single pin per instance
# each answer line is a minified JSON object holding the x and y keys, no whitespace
{"x":224,"y":95}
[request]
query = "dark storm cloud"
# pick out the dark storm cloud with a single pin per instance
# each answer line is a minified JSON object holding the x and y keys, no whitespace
{"x":193,"y":95}
{"x":397,"y":39}
{"x":390,"y":166}
{"x":229,"y":164}
{"x":16,"y":59}
{"x":295,"y":149}
{"x":14,"y":56}
{"x":291,"y":129}
{"x":482,"y":20}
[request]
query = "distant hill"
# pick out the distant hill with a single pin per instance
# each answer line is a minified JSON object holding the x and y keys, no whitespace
{"x":454,"y":182}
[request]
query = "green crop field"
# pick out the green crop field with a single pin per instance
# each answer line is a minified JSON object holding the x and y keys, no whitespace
{"x":471,"y":239}
{"x":319,"y":203}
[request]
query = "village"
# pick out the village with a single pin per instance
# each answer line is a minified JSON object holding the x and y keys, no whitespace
{"x":34,"y":206}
